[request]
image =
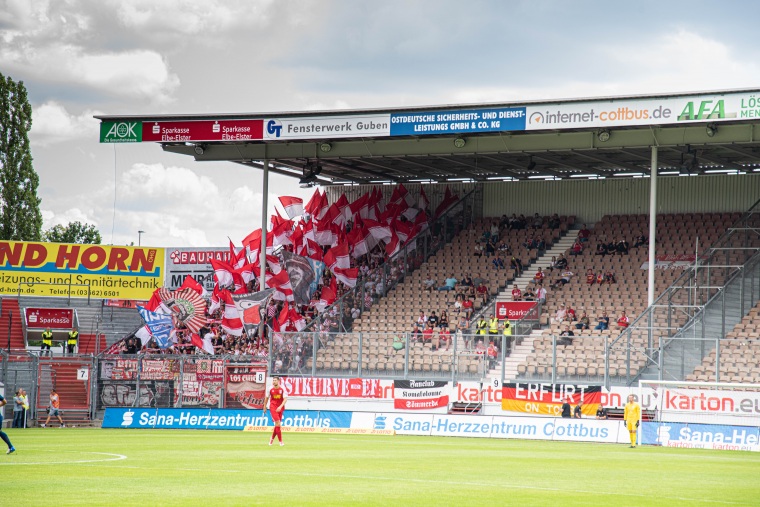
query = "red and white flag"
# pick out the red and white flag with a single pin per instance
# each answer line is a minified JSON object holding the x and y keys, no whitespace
{"x":223,"y":273}
{"x":293,"y":206}
{"x":231,"y":321}
{"x":191,"y":283}
{"x":348,"y":276}
{"x":280,"y":282}
{"x":393,"y":246}
{"x":312,"y":207}
{"x":281,"y":233}
{"x":422,"y":201}
{"x":380,"y":232}
{"x":203,"y":343}
{"x":357,"y":240}
{"x":337,"y":256}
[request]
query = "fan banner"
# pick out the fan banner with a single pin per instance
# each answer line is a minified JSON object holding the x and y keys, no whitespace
{"x":301,"y":276}
{"x":251,"y":307}
{"x":420,"y":394}
{"x":160,"y":326}
{"x":187,"y":306}
{"x":547,"y":399}
{"x":245,"y":386}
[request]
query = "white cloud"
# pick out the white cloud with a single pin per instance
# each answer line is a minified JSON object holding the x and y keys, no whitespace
{"x":190,"y":17}
{"x":51,"y":219}
{"x":141,"y":74}
{"x":176,"y":206}
{"x":52,"y":123}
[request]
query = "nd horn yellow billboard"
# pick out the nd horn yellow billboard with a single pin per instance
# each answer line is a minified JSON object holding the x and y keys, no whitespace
{"x":63,"y":269}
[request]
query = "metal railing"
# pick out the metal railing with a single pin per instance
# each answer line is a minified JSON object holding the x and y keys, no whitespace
{"x":703,"y":285}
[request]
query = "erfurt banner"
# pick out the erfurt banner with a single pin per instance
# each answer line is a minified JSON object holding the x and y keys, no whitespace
{"x":63,"y":269}
{"x":420,"y":394}
{"x":332,"y":387}
{"x":245,"y":386}
{"x":547,"y":399}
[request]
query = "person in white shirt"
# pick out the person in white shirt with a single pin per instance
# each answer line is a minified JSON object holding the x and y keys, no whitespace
{"x":561,"y":313}
{"x":541,"y":295}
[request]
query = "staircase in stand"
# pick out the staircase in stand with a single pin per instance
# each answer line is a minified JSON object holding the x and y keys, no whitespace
{"x":11,"y":313}
{"x":517,"y":357}
{"x":61,"y":374}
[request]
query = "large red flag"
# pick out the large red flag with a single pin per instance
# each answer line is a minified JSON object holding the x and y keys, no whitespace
{"x":293,"y":205}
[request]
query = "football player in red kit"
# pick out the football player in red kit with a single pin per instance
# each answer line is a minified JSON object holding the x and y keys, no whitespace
{"x":276,"y":408}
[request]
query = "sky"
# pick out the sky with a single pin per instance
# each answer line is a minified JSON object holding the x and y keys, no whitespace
{"x":79,"y":58}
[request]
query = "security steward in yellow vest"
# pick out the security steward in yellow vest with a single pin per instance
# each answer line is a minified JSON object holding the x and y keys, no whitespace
{"x":482,"y":326}
{"x":493,"y":330}
{"x":47,"y":341}
{"x":507,"y":332}
{"x":72,"y":341}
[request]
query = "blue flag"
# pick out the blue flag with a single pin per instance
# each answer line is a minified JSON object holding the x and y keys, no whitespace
{"x":160,"y":325}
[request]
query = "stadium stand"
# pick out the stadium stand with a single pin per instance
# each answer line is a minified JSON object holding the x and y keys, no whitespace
{"x":583,"y":358}
{"x":397,"y":313}
{"x":739,"y":354}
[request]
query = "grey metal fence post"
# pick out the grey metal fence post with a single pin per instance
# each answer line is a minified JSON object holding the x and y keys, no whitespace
{"x":180,"y":393}
{"x":717,"y":359}
{"x":660,"y":359}
{"x":607,"y":381}
{"x":359,"y":359}
{"x":136,"y":403}
{"x":406,"y":355}
{"x":554,"y":359}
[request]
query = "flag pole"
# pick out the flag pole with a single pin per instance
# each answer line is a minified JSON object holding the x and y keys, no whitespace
{"x":264,"y":221}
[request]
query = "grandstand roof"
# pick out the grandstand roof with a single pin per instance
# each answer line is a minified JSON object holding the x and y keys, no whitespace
{"x":697,"y":133}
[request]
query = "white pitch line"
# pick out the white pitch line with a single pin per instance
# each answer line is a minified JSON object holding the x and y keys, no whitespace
{"x":117,"y":457}
{"x":430,"y":481}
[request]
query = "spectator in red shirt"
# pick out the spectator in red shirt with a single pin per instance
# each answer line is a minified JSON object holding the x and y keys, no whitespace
{"x":492,"y":354}
{"x":516,"y":293}
{"x":427,"y":334}
{"x":584,"y":234}
{"x":599,"y":278}
{"x":467,"y":307}
{"x":623,"y":321}
{"x":483,"y":292}
{"x":444,"y":338}
{"x":577,"y":248}
{"x":590,"y":277}
{"x":539,"y":276}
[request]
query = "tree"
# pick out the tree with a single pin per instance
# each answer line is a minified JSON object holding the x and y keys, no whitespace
{"x":74,"y":232}
{"x":20,"y":217}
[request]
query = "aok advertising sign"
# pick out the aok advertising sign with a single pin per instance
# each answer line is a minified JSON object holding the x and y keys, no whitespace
{"x":98,"y":271}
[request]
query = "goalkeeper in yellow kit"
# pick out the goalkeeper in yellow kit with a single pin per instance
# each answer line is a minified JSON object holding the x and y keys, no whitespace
{"x":631,"y":415}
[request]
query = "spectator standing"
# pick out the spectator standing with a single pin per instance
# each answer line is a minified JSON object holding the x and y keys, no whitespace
{"x":18,"y":409}
{"x":578,"y":411}
{"x":541,"y":295}
{"x":492,"y":353}
{"x":54,"y":409}
{"x":566,"y":408}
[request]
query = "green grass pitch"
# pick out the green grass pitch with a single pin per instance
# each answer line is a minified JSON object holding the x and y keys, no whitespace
{"x":63,"y":466}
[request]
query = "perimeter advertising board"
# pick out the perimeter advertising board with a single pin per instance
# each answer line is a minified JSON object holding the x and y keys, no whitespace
{"x":48,"y":269}
{"x":195,"y":262}
{"x":648,"y":111}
